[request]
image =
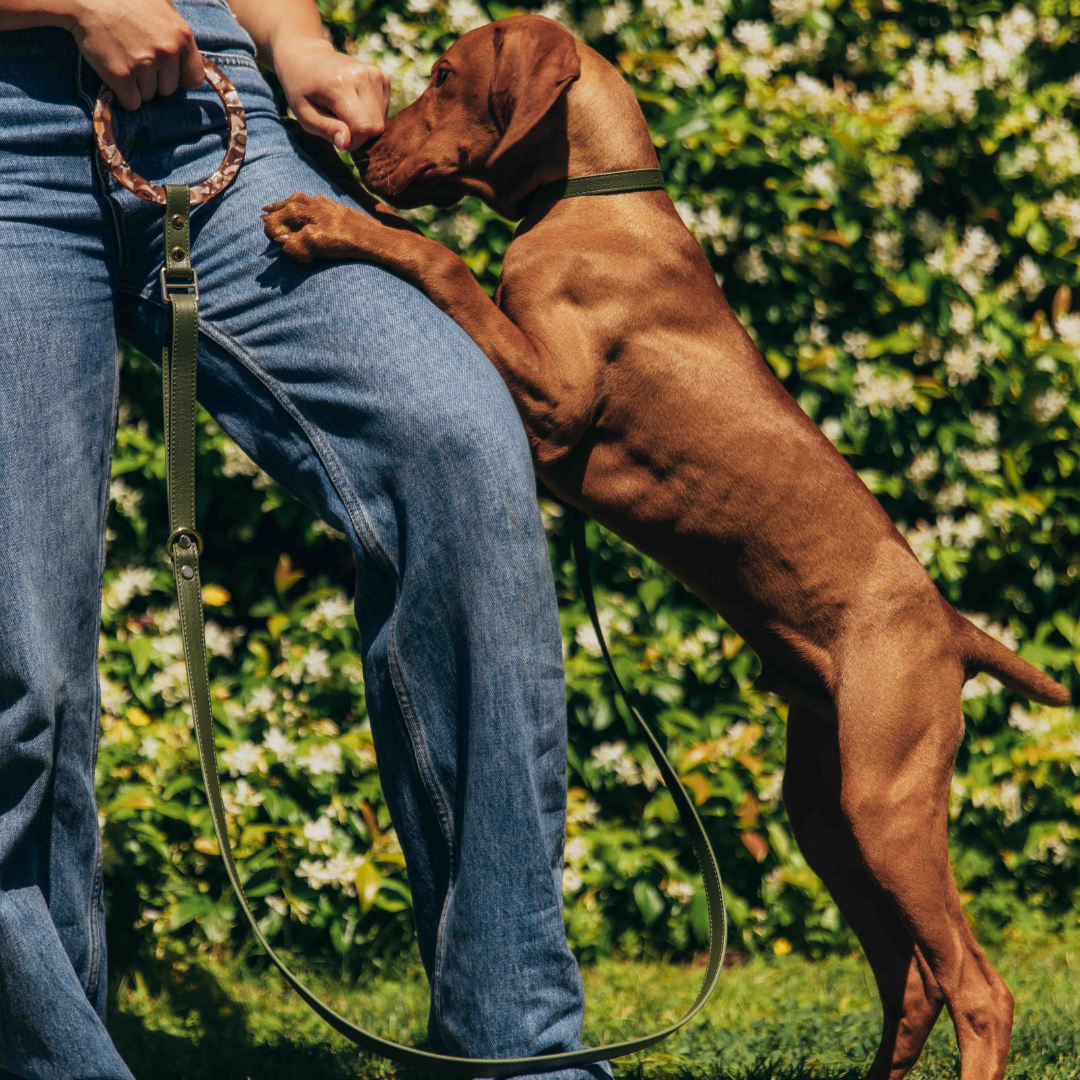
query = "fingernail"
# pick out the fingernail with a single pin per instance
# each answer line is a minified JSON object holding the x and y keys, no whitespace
{"x":339,"y":141}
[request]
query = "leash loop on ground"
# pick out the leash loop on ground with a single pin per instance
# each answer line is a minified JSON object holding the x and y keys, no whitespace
{"x":184,"y":546}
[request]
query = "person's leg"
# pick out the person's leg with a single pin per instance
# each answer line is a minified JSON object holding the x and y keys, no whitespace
{"x":58,"y":384}
{"x":373,"y":407}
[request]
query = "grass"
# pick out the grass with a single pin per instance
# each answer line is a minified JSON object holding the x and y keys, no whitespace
{"x":770,"y":1019}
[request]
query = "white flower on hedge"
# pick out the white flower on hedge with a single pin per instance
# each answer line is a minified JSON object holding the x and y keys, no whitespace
{"x":1022,"y":720}
{"x":126,"y":585}
{"x":692,"y":65}
{"x":465,"y":15}
{"x":923,"y":541}
{"x":961,"y":317}
{"x":321,"y":758}
{"x":682,"y":892}
{"x":898,"y":185}
{"x":875,"y":388}
{"x":1047,"y":405}
{"x":1016,"y":30}
{"x":821,"y":176}
{"x":964,"y":359}
{"x":261,"y":701}
{"x":791,"y":11}
{"x":689,"y":22}
{"x":127,"y":499}
{"x":937,"y":91}
{"x":923,"y":465}
{"x":615,"y":16}
{"x":953,"y":46}
{"x":149,"y":746}
{"x":577,"y":849}
{"x":614,"y":757}
{"x":968,"y":530}
{"x":571,"y":881}
{"x":1067,"y":325}
{"x":313,"y":662}
{"x":986,"y":424}
{"x":751,"y":265}
{"x":855,"y":342}
{"x":885,"y":247}
{"x":979,"y":462}
{"x":171,"y":682}
{"x":245,"y":757}
{"x":1060,"y":849}
{"x":1029,"y":277}
{"x":650,"y":775}
{"x":278,"y":904}
{"x":754,"y":36}
{"x":808,"y":93}
{"x":582,"y":813}
{"x":331,"y":611}
{"x":113,"y":696}
{"x":833,"y":429}
{"x":1057,"y":139}
{"x":340,"y":869}
{"x":318,"y":832}
{"x":951,"y":496}
{"x":771,"y":787}
{"x":243,"y":794}
{"x":927,"y":228}
{"x":1062,"y":208}
{"x":810,"y":146}
{"x":970,"y":261}
{"x":220,"y":641}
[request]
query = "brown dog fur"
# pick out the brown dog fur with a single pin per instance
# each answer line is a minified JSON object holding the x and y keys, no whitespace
{"x":648,"y":406}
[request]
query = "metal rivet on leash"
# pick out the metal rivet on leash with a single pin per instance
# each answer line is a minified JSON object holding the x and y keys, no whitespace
{"x":178,"y":221}
{"x":188,"y":572}
{"x":178,"y":254}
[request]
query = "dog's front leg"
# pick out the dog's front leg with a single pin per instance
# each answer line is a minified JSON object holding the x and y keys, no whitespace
{"x":556,"y":401}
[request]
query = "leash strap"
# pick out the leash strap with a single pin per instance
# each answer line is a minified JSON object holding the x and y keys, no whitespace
{"x":180,"y":291}
{"x":609,"y":183}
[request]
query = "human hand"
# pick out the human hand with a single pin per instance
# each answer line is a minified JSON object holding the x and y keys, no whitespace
{"x":331,"y":94}
{"x":139,"y":47}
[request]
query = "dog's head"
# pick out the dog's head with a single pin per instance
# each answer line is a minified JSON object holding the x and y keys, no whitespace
{"x":485,"y":115}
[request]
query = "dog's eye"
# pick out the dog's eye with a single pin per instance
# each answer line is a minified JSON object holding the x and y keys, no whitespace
{"x":440,"y":75}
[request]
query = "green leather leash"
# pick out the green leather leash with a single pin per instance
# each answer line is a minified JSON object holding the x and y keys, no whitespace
{"x":180,"y":292}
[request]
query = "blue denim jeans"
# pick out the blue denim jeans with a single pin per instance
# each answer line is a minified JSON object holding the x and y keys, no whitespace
{"x":370,"y":406}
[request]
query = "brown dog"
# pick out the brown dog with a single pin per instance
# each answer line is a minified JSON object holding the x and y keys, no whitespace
{"x":648,"y":406}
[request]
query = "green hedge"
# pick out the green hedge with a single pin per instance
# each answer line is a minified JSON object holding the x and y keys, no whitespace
{"x":890,"y":193}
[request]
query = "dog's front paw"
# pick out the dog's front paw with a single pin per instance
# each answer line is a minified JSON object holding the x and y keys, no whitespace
{"x":314,"y":227}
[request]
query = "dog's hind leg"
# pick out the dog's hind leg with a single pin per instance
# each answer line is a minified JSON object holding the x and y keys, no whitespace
{"x":910,"y":998}
{"x":899,"y":727}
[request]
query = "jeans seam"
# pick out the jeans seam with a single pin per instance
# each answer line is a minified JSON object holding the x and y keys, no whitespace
{"x":414,"y":731}
{"x":358,"y":517}
{"x":230,"y":58}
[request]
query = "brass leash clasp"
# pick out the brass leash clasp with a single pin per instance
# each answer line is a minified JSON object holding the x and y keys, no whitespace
{"x":184,"y":536}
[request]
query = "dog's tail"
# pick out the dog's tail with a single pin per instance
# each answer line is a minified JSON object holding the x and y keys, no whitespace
{"x":981,"y":652}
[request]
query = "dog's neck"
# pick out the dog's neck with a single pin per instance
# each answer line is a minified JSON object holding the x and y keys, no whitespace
{"x":604,"y":131}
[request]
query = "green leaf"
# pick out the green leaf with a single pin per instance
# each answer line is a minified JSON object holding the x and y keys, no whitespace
{"x":649,"y":902}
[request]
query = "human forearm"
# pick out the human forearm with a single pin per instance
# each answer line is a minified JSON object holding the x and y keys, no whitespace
{"x":331,"y":94}
{"x":277,"y":25}
{"x":22,"y":14}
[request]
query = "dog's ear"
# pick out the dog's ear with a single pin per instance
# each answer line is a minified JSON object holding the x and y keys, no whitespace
{"x":535,"y":61}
